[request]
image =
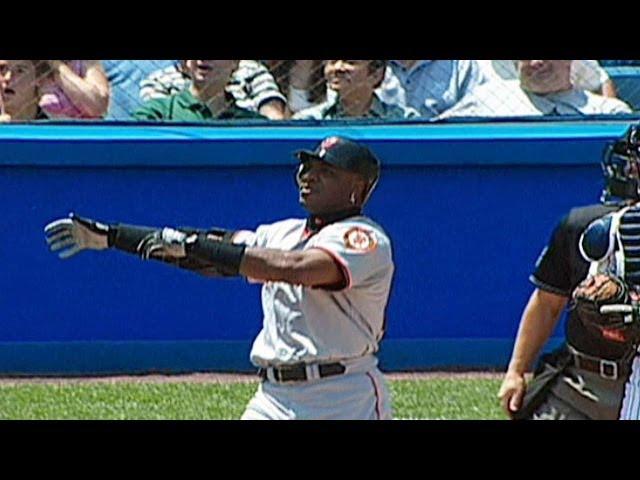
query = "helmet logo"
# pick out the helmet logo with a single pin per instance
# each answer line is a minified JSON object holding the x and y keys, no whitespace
{"x":327,"y":144}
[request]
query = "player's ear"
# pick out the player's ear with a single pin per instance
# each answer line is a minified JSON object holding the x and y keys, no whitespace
{"x":360,"y":189}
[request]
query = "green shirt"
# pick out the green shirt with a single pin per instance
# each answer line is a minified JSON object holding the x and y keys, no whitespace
{"x":185,"y":107}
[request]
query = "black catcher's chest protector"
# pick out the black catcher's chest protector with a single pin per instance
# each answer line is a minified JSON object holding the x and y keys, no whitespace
{"x":612,"y":246}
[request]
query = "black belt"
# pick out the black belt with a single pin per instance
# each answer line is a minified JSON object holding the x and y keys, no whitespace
{"x":609,"y":369}
{"x":298,"y":372}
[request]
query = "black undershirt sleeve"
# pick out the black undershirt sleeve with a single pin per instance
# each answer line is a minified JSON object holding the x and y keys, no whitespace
{"x":552,"y":272}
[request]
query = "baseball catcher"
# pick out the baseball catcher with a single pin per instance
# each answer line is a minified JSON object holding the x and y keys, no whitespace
{"x":591,"y":265}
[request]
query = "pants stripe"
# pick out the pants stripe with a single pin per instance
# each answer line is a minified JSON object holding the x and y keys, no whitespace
{"x":376,"y":390}
{"x":633,"y":384}
{"x":630,"y":403}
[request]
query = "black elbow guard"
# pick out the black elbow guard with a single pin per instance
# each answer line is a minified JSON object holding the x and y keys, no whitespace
{"x":225,"y":255}
{"x":128,"y":237}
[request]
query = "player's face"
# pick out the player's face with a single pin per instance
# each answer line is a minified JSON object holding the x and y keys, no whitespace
{"x":324,"y":188}
{"x":18,"y":85}
{"x":545,"y":76}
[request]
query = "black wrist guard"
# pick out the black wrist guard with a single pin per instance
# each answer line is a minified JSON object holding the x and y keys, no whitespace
{"x":226,"y":256}
{"x":128,"y":237}
{"x":93,"y":225}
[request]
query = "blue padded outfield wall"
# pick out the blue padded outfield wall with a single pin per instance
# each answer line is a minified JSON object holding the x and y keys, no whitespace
{"x":467,"y":206}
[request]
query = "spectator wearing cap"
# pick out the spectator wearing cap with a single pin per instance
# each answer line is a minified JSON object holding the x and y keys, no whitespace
{"x":205,"y":99}
{"x":543,"y":88}
{"x":251,"y":85}
{"x":354,"y":82}
{"x":19,"y":91}
{"x":429,"y":86}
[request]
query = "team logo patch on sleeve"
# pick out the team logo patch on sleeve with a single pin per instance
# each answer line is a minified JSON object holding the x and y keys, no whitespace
{"x":360,"y":239}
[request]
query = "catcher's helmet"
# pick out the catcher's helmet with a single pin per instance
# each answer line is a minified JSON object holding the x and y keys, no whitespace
{"x":348,"y":155}
{"x":621,"y":167}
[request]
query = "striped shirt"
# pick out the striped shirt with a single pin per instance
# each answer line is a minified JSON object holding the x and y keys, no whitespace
{"x":251,"y":85}
{"x":631,"y":401}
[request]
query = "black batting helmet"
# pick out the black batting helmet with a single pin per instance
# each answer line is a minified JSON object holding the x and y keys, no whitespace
{"x":348,"y":155}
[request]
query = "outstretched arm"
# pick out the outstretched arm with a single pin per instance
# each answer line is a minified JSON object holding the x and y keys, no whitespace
{"x":539,"y":318}
{"x":208,"y":252}
{"x":313,"y":267}
{"x":69,"y":236}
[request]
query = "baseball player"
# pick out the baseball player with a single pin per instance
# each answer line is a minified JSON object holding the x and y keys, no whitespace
{"x":326,"y":282}
{"x":592,"y":264}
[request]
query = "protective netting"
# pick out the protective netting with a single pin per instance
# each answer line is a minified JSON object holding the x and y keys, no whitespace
{"x":208,"y":90}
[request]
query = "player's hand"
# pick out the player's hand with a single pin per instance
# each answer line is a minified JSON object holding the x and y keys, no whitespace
{"x":74,"y":234}
{"x":512,"y":392}
{"x":167,"y":243}
{"x":598,"y":288}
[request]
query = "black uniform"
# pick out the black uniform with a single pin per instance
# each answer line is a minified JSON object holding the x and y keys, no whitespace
{"x":561,"y":268}
{"x":561,"y":388}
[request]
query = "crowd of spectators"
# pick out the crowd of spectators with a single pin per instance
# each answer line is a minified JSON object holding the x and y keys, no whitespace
{"x":205,"y":90}
{"x":541,"y":87}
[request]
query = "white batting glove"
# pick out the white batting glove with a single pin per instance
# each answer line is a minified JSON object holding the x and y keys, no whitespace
{"x":75,"y":234}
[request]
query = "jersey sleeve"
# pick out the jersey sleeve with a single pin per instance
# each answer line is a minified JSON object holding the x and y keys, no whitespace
{"x":261,"y":236}
{"x":361,"y":251}
{"x":552,"y":271}
{"x":245,"y":237}
{"x":249,"y":238}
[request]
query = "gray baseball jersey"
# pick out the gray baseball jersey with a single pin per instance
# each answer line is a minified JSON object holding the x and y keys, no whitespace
{"x":313,"y":325}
